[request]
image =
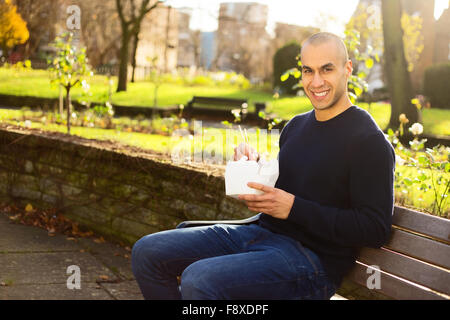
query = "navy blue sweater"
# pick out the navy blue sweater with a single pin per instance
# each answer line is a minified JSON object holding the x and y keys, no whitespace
{"x":341,"y":172}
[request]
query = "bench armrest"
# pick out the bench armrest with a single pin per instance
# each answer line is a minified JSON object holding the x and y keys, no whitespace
{"x":198,"y":223}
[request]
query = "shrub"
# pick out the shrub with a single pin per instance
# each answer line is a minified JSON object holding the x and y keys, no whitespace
{"x":436,"y":80}
{"x":284,"y":59}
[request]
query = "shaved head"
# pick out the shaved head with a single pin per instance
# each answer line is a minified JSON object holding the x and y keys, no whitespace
{"x":323,"y":37}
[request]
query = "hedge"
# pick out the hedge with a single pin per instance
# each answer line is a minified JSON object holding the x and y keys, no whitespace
{"x":436,"y":85}
{"x":283,"y":60}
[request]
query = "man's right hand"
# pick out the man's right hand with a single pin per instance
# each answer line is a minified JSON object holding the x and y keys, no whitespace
{"x":244,"y":149}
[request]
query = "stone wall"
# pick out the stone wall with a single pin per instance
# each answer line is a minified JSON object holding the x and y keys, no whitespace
{"x":117,"y":191}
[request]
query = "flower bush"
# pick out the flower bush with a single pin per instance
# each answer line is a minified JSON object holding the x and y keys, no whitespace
{"x":431,"y":175}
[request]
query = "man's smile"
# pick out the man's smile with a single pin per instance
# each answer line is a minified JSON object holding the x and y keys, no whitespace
{"x":320,"y":95}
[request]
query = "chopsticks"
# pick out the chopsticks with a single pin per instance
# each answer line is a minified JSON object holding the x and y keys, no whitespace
{"x":244,"y":134}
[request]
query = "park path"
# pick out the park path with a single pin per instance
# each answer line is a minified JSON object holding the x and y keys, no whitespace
{"x":33,"y":265}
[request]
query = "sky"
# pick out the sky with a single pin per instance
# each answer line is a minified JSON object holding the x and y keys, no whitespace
{"x":329,"y":15}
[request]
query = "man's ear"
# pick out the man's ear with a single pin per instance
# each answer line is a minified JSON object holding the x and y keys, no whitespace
{"x":349,"y":66}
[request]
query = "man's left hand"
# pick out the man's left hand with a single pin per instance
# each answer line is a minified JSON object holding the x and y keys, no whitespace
{"x":274,"y":201}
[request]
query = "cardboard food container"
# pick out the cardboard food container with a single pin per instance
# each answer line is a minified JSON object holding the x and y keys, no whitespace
{"x":239,"y":173}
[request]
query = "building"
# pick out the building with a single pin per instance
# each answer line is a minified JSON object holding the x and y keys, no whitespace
{"x":188,"y":41}
{"x":159,"y":39}
{"x":243,"y":45}
{"x":285,"y":33}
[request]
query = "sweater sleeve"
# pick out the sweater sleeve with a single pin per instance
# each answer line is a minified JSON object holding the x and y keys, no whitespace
{"x":371,"y":185}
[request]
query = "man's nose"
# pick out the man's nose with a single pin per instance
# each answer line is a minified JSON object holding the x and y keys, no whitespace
{"x":317,"y":80}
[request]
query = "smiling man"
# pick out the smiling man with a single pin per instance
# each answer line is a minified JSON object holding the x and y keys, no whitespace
{"x":334,"y":194}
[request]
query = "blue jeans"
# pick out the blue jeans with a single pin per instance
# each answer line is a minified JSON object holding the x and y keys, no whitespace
{"x":221,"y":262}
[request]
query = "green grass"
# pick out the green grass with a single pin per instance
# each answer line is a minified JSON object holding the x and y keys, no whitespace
{"x":37,"y":83}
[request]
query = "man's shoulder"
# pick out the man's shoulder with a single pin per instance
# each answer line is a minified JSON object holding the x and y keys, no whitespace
{"x":363,"y":124}
{"x":299,"y":118}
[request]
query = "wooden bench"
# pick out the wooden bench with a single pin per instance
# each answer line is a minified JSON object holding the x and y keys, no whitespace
{"x":211,"y":104}
{"x":413,"y":265}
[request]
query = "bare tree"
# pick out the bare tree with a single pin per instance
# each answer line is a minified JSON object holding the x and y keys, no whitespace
{"x":100,"y":31}
{"x":131,"y":15}
{"x":41,"y":17}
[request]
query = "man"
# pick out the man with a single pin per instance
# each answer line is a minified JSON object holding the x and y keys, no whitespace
{"x":334,"y":195}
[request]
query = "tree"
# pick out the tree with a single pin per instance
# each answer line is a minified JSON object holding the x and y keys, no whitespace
{"x":100,"y":31}
{"x":13,"y":29}
{"x":40,"y":17}
{"x":69,"y":68}
{"x":398,"y":81}
{"x":130,"y":16}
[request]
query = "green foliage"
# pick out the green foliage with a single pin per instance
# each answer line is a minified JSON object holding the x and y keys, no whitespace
{"x":413,"y":39}
{"x":70,"y":65}
{"x":271,"y":122}
{"x":69,"y":68}
{"x":357,"y":84}
{"x":285,"y":63}
{"x":13,"y":29}
{"x":436,"y":81}
{"x":431,"y":172}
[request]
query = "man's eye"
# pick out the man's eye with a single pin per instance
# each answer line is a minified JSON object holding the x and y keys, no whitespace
{"x":306,"y":71}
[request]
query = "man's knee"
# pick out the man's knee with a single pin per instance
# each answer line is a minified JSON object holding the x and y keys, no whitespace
{"x":144,"y":253}
{"x":199,"y":282}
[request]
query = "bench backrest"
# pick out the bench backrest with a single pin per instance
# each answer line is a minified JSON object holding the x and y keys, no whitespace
{"x":226,"y":102}
{"x":414,"y":264}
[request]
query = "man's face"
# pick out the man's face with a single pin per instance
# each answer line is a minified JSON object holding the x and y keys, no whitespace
{"x":324,"y":74}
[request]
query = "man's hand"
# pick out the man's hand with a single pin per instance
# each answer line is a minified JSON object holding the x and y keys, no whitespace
{"x":274,"y":202}
{"x":244,"y":149}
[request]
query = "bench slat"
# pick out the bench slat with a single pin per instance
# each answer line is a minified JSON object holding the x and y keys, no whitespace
{"x":218,"y":101}
{"x":422,"y":223}
{"x":408,"y":268}
{"x":393,"y":286}
{"x":413,"y":245}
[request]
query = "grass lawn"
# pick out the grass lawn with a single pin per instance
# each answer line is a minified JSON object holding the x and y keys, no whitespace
{"x":36,"y":83}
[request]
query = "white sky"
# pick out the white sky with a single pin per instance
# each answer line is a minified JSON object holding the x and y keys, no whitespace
{"x":329,"y":15}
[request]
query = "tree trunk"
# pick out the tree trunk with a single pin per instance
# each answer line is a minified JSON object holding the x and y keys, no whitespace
{"x":61,"y":100}
{"x":123,"y":67}
{"x":398,"y":81}
{"x":68,"y":103}
{"x":133,"y":57}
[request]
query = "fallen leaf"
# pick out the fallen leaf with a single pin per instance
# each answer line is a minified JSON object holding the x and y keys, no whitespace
{"x":29,"y":208}
{"x":99,"y":240}
{"x":15,"y":217}
{"x":103,"y":277}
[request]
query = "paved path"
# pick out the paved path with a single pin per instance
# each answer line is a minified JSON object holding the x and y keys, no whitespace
{"x":34,"y":265}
